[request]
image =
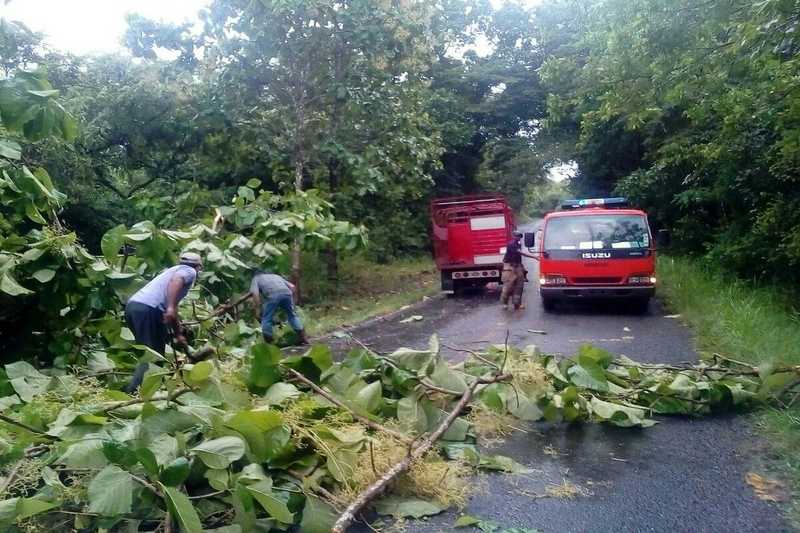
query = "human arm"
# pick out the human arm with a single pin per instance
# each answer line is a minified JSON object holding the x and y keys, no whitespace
{"x":255,"y":299}
{"x":171,"y":318}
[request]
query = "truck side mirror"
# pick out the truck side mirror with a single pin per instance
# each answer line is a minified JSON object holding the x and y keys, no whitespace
{"x":663,"y":238}
{"x":530,"y":240}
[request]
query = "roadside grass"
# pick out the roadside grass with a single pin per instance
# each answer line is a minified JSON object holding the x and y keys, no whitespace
{"x":365,"y":289}
{"x":750,"y":323}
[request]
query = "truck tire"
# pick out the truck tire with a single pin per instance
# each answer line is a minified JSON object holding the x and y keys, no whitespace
{"x":548,"y":304}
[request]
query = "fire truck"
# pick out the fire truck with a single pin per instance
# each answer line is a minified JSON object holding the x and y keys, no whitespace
{"x":596,"y":249}
{"x":470,"y":234}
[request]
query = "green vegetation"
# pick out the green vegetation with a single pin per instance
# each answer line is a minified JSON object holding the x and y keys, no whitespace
{"x":690,"y":108}
{"x":365,"y":289}
{"x":257,"y":440}
{"x":754,"y":324}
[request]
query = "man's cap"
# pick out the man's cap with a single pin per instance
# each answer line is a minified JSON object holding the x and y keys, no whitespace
{"x":517,"y":234}
{"x":191,"y":258}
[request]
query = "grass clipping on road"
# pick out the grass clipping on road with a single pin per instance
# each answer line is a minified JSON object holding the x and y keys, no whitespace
{"x":753,"y":324}
{"x":258,"y":438}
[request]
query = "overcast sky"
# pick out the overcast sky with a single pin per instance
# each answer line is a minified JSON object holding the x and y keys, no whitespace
{"x":86,"y":26}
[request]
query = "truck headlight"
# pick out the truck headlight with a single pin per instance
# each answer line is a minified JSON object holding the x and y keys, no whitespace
{"x":553,"y":280}
{"x":642,"y":280}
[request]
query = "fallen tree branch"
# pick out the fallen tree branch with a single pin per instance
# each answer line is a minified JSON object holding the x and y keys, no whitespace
{"x":10,"y":478}
{"x":26,"y":427}
{"x":169,"y":398}
{"x":379,"y":486}
{"x":474,"y":354}
{"x":331,"y":398}
{"x":221,"y":309}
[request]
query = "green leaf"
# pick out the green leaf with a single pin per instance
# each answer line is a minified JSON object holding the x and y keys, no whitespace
{"x":148,"y":460}
{"x":277,"y":509}
{"x":253,"y":183}
{"x":218,"y":479}
{"x":264,"y":370}
{"x":85,"y":454}
{"x":175,"y":473}
{"x":199,"y":373}
{"x":10,"y":149}
{"x":322,"y":356}
{"x":253,"y":426}
{"x":411,"y":415}
{"x":503,"y":464}
{"x":220,"y":453}
{"x":619,"y":415}
{"x":8,"y":511}
{"x":181,"y":508}
{"x":150,"y":384}
{"x":112,"y":242}
{"x":466,"y":521}
{"x":44,"y":275}
{"x":28,"y":507}
{"x":318,"y":516}
{"x":280,"y":392}
{"x":10,"y":286}
{"x":111,"y":492}
{"x":445,"y":377}
{"x":589,"y":375}
{"x":119,"y":453}
{"x":369,"y":398}
{"x":406,"y":507}
{"x":598,"y":356}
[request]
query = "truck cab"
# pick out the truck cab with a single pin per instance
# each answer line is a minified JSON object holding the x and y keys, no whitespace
{"x":596,"y":249}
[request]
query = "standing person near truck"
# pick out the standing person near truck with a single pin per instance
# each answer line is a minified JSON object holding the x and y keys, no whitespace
{"x":278,"y":294}
{"x":513,"y":272}
{"x":152,"y":312}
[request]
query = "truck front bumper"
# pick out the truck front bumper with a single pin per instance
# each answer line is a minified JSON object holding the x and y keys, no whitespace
{"x":571,"y":292}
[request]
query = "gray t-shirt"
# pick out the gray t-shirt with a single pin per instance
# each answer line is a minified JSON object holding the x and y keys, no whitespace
{"x":270,"y":286}
{"x":154,"y":293}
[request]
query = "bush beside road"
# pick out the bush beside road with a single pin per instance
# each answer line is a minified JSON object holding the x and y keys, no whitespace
{"x":750,"y":323}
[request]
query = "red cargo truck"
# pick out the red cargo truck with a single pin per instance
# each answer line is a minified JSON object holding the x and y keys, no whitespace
{"x":470,"y":234}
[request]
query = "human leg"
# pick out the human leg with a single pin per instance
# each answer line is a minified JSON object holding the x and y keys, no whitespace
{"x":287,"y":304}
{"x":507,"y":278}
{"x":147,"y":325}
{"x":267,"y":315}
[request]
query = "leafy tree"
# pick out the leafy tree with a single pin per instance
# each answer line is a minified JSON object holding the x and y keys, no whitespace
{"x":686,"y":107}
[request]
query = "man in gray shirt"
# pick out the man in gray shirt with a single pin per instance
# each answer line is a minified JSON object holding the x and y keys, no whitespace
{"x":277,"y":294}
{"x":153,"y":311}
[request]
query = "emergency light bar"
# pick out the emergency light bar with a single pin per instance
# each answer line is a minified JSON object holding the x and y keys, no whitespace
{"x":595,"y":202}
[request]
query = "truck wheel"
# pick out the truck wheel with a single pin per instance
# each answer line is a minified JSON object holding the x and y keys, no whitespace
{"x":548,"y":304}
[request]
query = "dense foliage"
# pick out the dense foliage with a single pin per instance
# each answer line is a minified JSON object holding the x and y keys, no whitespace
{"x":690,"y":108}
{"x":256,"y":441}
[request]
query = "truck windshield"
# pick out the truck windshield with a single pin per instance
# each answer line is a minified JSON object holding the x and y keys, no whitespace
{"x":596,"y":232}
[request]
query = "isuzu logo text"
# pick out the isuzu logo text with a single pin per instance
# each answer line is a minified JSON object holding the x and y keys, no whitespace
{"x":596,"y":255}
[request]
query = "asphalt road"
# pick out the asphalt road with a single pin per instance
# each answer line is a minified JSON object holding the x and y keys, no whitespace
{"x":680,"y":475}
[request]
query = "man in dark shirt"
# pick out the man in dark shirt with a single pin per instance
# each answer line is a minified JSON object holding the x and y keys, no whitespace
{"x":278,"y":295}
{"x":513,"y":272}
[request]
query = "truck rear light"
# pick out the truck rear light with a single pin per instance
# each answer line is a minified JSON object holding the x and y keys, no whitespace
{"x":553,"y":280}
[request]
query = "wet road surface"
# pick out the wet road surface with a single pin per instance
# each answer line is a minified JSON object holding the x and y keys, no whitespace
{"x":680,"y":475}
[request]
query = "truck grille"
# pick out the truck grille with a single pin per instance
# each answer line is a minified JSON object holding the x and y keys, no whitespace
{"x":598,"y":281}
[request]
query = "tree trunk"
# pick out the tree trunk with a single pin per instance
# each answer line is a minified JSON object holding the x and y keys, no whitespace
{"x":299,"y":167}
{"x":331,"y":253}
